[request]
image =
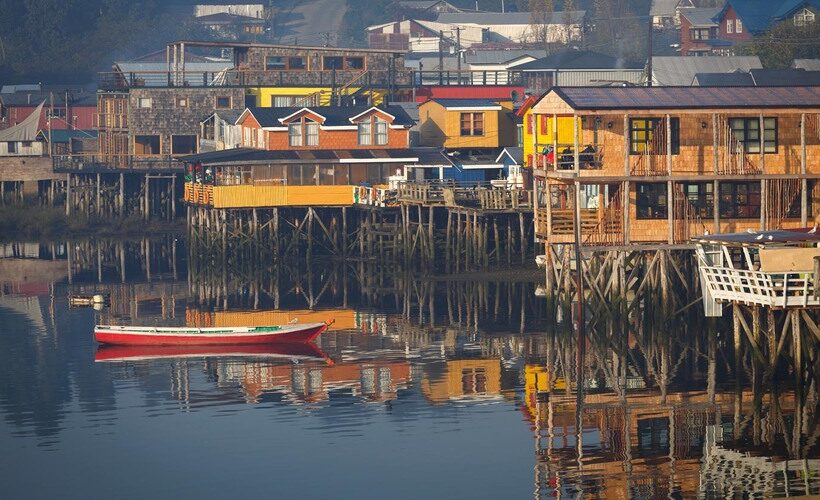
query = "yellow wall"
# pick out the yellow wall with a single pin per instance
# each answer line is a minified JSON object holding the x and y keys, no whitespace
{"x":544,"y":136}
{"x":344,"y":319}
{"x":247,"y":196}
{"x":441,"y":128}
{"x":263,"y":94}
{"x":442,"y":388}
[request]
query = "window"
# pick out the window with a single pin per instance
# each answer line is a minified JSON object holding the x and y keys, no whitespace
{"x":473,"y":381}
{"x":146,"y":145}
{"x":354,"y":62}
{"x":730,"y":26}
{"x":365,"y":133}
{"x":740,"y":200}
{"x":282,"y":101}
{"x":738,"y":26}
{"x":260,"y":138}
{"x":182,"y":102}
{"x":223,"y":102}
{"x":381,"y":132}
{"x":274,"y":63}
{"x":700,"y":196}
{"x":58,"y":113}
{"x":332,"y":62}
{"x":648,"y":136}
{"x":804,"y":18}
{"x":296,"y":63}
{"x":312,"y":133}
{"x":651,"y":202}
{"x":746,"y":131}
{"x":295,"y":134}
{"x":472,"y":124}
{"x":145,"y":102}
{"x":12,"y":147}
{"x":183,"y":144}
{"x":700,"y":34}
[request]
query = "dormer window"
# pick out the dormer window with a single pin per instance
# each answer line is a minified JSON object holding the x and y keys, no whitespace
{"x":303,"y":133}
{"x":730,"y":26}
{"x":373,"y":130}
{"x":804,"y":18}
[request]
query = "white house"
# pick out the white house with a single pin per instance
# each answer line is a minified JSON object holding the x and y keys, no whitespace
{"x":510,"y":27}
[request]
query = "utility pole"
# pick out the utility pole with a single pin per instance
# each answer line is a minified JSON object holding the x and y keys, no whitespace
{"x":649,"y":53}
{"x":458,"y":51}
{"x":440,"y":56}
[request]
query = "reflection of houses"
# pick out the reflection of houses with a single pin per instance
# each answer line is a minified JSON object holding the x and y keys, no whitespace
{"x":462,"y":380}
{"x":310,"y":382}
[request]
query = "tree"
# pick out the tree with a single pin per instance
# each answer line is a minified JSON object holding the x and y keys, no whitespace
{"x":783,"y":43}
{"x":541,"y":12}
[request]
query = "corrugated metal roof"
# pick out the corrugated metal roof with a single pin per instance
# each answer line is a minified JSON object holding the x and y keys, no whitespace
{"x":577,"y":59}
{"x":759,"y":237}
{"x":593,"y":98}
{"x":466,"y":103}
{"x":701,"y":17}
{"x":250,"y":156}
{"x":784,"y":77}
{"x":807,"y":64}
{"x":498,"y":18}
{"x":681,"y":70}
{"x":500,"y":56}
{"x":335,"y":115}
{"x":734,"y":79}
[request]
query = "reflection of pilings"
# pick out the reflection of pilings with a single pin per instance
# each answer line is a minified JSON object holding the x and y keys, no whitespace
{"x":453,"y":239}
{"x":101,"y":260}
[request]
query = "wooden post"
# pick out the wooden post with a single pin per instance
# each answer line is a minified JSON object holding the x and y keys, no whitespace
{"x":816,"y":276}
{"x":804,"y":184}
{"x":523,"y":241}
{"x":146,"y":201}
{"x":447,"y":239}
{"x":173,"y":197}
{"x":626,"y":184}
{"x":670,"y":187}
{"x":121,"y":201}
{"x":764,"y":206}
{"x":67,"y":194}
{"x":99,"y":207}
{"x":344,"y":232}
{"x":715,"y":183}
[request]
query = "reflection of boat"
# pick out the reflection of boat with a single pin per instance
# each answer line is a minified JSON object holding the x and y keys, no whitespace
{"x":147,"y":335}
{"x":289,"y":350}
{"x":86,"y":300}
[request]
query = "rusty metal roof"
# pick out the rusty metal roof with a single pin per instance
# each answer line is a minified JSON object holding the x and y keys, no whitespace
{"x":610,"y":98}
{"x":755,"y":238}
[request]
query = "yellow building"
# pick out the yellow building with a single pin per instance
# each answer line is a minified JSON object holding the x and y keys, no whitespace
{"x":466,"y":123}
{"x":544,"y":129}
{"x":286,"y":97}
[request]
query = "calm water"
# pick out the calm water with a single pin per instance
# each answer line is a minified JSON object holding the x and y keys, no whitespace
{"x":448,"y":388}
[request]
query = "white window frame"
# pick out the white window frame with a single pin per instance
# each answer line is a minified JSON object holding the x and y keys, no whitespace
{"x":380,"y":135}
{"x":246,"y":136}
{"x":295,"y":134}
{"x":738,"y":26}
{"x":311,"y":133}
{"x":365,"y":133}
{"x":730,"y":26}
{"x":260,"y":138}
{"x":145,"y":102}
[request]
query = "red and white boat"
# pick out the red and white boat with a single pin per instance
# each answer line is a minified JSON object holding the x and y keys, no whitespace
{"x":149,"y":335}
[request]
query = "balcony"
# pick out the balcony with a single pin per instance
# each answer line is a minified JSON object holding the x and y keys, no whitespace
{"x":93,"y":163}
{"x":590,"y":157}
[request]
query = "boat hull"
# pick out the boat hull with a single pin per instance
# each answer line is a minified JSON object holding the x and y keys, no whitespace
{"x":206,"y":336}
{"x":280,"y":350}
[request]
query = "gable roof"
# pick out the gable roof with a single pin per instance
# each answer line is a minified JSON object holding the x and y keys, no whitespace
{"x":26,"y":130}
{"x":334,"y":115}
{"x":499,"y":18}
{"x":733,"y":79}
{"x":424,"y":4}
{"x":807,"y":64}
{"x":681,"y":70}
{"x":500,"y":56}
{"x":758,"y":15}
{"x":667,"y":7}
{"x":377,"y":155}
{"x":456,"y":104}
{"x":701,"y":16}
{"x":784,"y":77}
{"x":228,"y":18}
{"x":515,"y":153}
{"x":627,"y":98}
{"x":577,"y":59}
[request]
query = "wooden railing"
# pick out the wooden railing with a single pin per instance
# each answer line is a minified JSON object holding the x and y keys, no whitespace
{"x":466,"y":194}
{"x":199,"y":194}
{"x":590,"y":156}
{"x":96,"y":163}
{"x":563,"y":220}
{"x":377,"y":196}
{"x":779,"y":290}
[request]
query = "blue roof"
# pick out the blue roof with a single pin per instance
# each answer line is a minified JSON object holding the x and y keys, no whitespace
{"x":758,"y":15}
{"x":465,"y":103}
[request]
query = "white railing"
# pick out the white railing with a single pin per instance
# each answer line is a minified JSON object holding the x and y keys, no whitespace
{"x":758,"y":287}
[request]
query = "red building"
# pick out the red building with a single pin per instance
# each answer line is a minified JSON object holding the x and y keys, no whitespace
{"x":513,"y":93}
{"x":68,"y":108}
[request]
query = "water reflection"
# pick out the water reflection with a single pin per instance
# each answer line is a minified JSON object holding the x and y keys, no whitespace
{"x":418,"y":369}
